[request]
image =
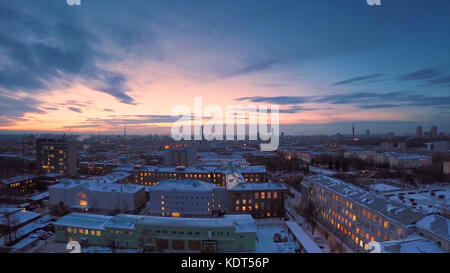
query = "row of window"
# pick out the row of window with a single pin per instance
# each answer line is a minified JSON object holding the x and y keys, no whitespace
{"x":91,"y":232}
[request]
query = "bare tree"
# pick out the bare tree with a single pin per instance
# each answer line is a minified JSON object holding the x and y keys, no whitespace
{"x":311,"y":215}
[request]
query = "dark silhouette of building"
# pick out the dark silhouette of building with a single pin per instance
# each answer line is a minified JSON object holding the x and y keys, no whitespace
{"x":56,"y":156}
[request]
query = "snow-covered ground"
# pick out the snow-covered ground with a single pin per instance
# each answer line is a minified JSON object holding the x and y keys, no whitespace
{"x":384,"y":187}
{"x":265,"y":243}
{"x":321,"y":171}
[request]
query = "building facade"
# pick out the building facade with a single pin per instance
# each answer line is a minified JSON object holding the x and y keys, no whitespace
{"x":186,"y":198}
{"x":261,"y":200}
{"x":18,"y":185}
{"x":56,"y":156}
{"x":356,"y":216}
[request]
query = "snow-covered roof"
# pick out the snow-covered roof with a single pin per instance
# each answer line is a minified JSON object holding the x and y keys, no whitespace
{"x":183,"y":185}
{"x":19,"y":217}
{"x":384,"y":187}
{"x":39,"y":196}
{"x":258,"y":186}
{"x":436,"y":224}
{"x":83,"y":220}
{"x":413,"y":244}
{"x":242,"y":223}
{"x":308,"y":244}
{"x":253,"y":169}
{"x":97,"y":186}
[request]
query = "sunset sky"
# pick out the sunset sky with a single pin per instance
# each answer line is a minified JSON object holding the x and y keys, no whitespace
{"x":327,"y":64}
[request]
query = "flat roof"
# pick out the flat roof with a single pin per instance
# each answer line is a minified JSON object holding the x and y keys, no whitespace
{"x":436,"y":224}
{"x":97,"y":186}
{"x":308,"y":244}
{"x":184,"y":185}
{"x":242,"y":223}
{"x":258,"y":186}
{"x":83,"y":220}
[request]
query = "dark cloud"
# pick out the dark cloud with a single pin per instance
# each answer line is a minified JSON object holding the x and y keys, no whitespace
{"x":296,"y":109}
{"x":428,"y":76}
{"x":74,"y":109}
{"x":363,"y":100}
{"x":51,"y":51}
{"x":422,"y":74}
{"x":283,"y":100}
{"x":17,"y":107}
{"x":133,"y":119}
{"x":360,"y":79}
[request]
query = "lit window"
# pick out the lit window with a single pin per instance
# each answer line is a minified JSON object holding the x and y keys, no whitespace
{"x":69,"y":229}
{"x":385,"y":224}
{"x":98,"y":233}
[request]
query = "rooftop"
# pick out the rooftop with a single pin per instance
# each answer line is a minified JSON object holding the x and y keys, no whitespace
{"x":258,"y":186}
{"x":18,"y":178}
{"x":97,"y":186}
{"x":83,"y":220}
{"x":183,"y":185}
{"x":241,"y":222}
{"x":437,"y":225}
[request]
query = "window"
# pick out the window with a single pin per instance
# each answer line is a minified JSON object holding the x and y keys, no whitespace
{"x":275,"y":195}
{"x":385,"y":224}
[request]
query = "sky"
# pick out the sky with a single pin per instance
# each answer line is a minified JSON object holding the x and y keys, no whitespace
{"x":326,"y":63}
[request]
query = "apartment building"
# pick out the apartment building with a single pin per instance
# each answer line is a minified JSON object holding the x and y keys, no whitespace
{"x":261,"y":200}
{"x":18,"y":185}
{"x":355,"y":215}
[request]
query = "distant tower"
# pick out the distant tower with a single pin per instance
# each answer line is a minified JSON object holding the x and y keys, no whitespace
{"x":353,"y":130}
{"x":367,"y":133}
{"x":433,"y":132}
{"x":124,"y":130}
{"x":419,"y":131}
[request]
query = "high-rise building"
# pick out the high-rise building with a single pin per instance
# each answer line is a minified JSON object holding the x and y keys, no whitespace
{"x":367,"y":133}
{"x":353,"y":130}
{"x":56,"y":156}
{"x":419,"y":131}
{"x":433,"y":132}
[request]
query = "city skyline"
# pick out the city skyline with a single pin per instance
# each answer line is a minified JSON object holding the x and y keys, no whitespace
{"x":98,"y":66}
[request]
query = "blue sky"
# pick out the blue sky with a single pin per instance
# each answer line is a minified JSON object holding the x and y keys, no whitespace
{"x":326,"y":63}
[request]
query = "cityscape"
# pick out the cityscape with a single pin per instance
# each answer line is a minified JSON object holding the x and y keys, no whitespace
{"x":218,"y":127}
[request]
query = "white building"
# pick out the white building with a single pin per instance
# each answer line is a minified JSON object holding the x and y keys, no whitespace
{"x":97,"y":196}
